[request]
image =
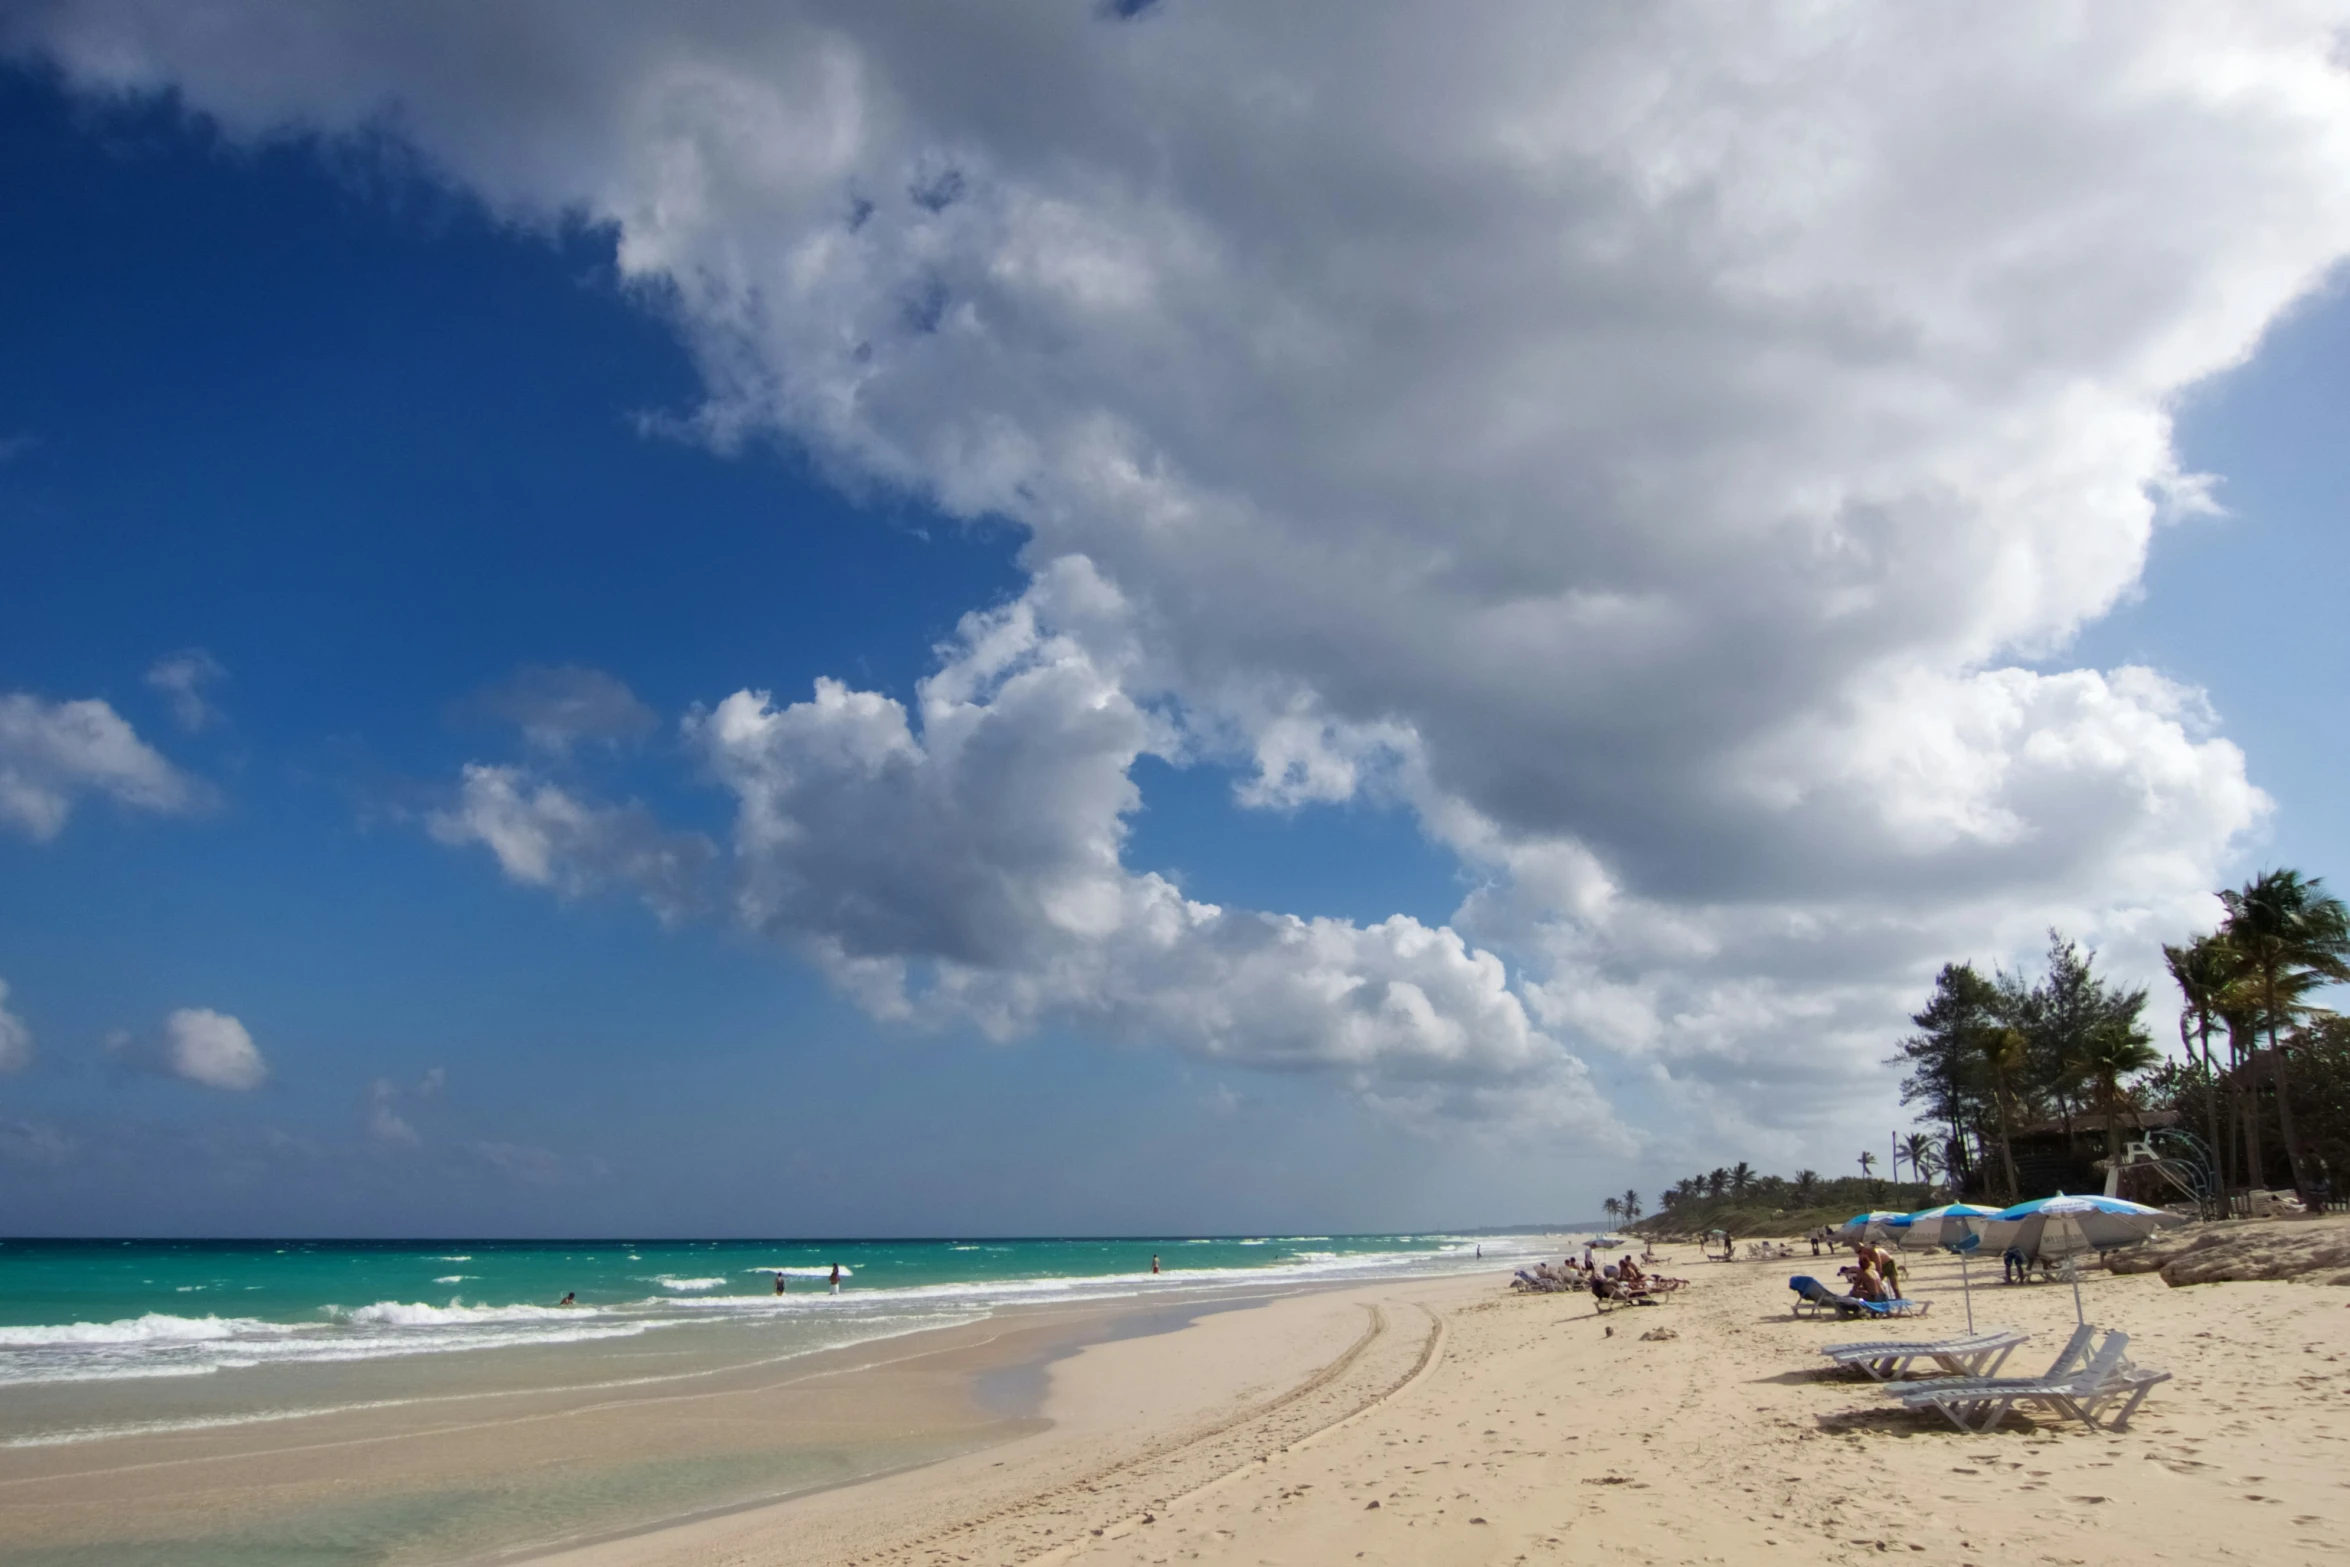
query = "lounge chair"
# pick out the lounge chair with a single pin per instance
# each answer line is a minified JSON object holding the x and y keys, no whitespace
{"x":1812,"y":1297}
{"x":2106,"y":1378}
{"x":1978,"y":1356}
{"x":1817,"y":1297}
{"x":2068,"y":1362}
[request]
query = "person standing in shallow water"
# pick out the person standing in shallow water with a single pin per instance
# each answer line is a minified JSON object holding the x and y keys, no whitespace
{"x":778,"y":1281}
{"x":1154,"y":1262}
{"x":836,"y":1278}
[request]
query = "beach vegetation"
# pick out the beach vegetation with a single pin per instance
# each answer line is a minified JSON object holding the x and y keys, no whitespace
{"x":1774,"y":1204}
{"x":2036,"y":1082}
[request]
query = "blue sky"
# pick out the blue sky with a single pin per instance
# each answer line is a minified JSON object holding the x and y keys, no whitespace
{"x":344,"y":409}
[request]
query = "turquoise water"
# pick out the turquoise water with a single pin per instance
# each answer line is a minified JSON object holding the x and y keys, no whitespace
{"x":75,"y":1311}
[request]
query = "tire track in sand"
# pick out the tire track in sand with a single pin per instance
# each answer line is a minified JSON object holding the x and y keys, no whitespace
{"x":1061,"y":1521}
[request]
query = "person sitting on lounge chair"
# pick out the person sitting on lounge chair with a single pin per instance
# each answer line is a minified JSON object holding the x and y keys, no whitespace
{"x":1862,"y":1283}
{"x":1608,"y":1285}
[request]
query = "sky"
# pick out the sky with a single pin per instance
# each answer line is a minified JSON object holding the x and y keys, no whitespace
{"x":1120,"y":619}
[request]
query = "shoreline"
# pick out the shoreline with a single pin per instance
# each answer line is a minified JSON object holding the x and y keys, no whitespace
{"x":654,"y":1442}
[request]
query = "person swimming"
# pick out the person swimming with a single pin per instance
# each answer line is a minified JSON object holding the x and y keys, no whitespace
{"x":570,"y":1298}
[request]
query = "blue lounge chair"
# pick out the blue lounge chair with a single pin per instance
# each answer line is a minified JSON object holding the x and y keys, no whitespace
{"x":1812,"y":1297}
{"x":1817,"y":1297}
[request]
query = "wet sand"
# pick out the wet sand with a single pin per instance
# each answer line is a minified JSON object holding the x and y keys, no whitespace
{"x":479,"y":1456}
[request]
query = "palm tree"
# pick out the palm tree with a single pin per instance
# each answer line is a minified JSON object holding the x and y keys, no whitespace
{"x":2293,"y":935}
{"x":1611,"y":1208}
{"x":2204,"y":969}
{"x":2003,"y":1052}
{"x":2112,"y":1051}
{"x":1718,"y":1182}
{"x":1741,"y":1179}
{"x":1631,"y":1206}
{"x":1806,"y":1183}
{"x":1868,"y":1164}
{"x":1918,"y":1149}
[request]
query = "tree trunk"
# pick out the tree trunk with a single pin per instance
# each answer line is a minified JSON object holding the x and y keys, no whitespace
{"x":2248,"y":1108}
{"x":2219,"y":1173}
{"x":2006,"y":1146}
{"x":2276,"y":1059}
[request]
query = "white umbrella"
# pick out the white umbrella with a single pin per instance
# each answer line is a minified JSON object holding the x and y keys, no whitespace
{"x":2067,"y":1227}
{"x":1953,"y":1228}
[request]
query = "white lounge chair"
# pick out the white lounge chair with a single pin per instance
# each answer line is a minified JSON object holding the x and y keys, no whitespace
{"x":1978,"y":1404}
{"x":1978,"y":1356}
{"x":2068,"y":1362}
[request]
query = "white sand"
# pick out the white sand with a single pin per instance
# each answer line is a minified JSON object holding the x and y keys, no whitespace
{"x":1451,"y":1422}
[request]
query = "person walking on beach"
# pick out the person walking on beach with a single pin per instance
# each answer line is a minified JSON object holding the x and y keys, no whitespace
{"x":836,"y":1278}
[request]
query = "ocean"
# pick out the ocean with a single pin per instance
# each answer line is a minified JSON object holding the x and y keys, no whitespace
{"x":426,"y":1403}
{"x":157,"y":1312}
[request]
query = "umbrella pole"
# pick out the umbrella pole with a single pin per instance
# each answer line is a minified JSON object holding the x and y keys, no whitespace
{"x":1967,"y":1288}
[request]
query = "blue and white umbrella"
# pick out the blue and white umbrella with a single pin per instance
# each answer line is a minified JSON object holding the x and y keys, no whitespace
{"x":1948,"y":1225}
{"x":1953,"y":1226}
{"x":1877,"y":1224}
{"x":2065,"y":1227}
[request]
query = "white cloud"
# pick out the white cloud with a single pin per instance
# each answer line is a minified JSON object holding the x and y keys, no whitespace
{"x":971,"y":866}
{"x":557,"y":707}
{"x":16,"y":1039}
{"x":36,"y":1142}
{"x":182,"y":678}
{"x":53,"y":752}
{"x":546,"y":836}
{"x":380,"y":1113}
{"x":1648,"y":439}
{"x":213,"y":1049}
{"x":386,"y":1127}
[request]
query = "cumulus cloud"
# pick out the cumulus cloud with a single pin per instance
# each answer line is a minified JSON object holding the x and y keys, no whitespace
{"x":213,"y":1049}
{"x":52,"y":753}
{"x":16,"y":1039}
{"x":970,"y":865}
{"x":1667,"y":446}
{"x":546,"y":836}
{"x":557,"y":707}
{"x":182,"y":677}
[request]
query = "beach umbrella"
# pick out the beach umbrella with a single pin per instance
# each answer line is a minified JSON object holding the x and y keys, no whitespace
{"x":1875,"y":1225}
{"x":1952,"y":1227}
{"x":2067,"y":1227}
{"x":1945,"y":1226}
